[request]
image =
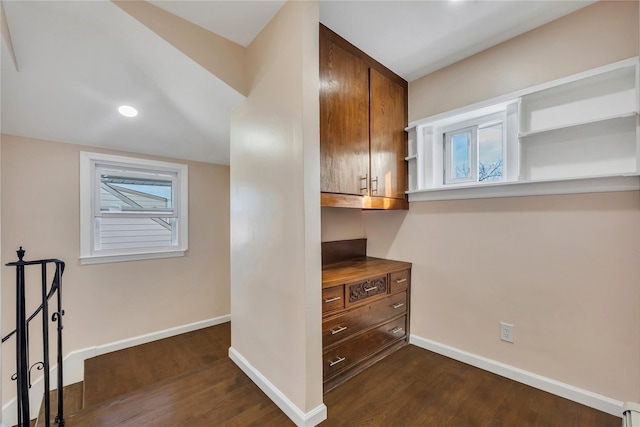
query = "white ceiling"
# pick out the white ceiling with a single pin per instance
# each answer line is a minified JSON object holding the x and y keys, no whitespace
{"x":78,"y":61}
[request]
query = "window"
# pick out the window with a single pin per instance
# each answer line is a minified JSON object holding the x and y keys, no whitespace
{"x":131,"y":208}
{"x":474,"y":153}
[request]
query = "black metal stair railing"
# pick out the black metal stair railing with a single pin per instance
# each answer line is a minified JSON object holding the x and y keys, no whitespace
{"x":24,"y":368}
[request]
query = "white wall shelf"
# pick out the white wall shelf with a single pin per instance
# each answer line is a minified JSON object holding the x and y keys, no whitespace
{"x":585,"y":122}
{"x":529,"y":188}
{"x":577,"y":134}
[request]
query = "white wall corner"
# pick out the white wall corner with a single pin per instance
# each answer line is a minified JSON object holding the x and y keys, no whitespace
{"x":301,"y":419}
{"x":74,"y":364}
{"x":567,"y":391}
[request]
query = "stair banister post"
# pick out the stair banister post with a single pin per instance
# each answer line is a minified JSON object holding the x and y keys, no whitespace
{"x":60,"y":313}
{"x":22,"y":356}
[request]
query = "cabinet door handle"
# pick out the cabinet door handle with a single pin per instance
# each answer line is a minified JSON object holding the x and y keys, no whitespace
{"x":398,"y":305}
{"x":338,"y":330}
{"x":332,"y":299}
{"x":401,"y":280}
{"x":336,"y":361}
{"x":396,"y":330}
{"x":373,"y":288}
{"x":374,"y":190}
{"x":364,"y":179}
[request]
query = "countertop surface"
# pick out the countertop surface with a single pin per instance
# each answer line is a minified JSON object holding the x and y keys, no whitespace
{"x":360,"y":268}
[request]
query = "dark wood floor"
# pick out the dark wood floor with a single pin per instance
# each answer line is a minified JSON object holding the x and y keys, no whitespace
{"x":415,"y":387}
{"x":189,"y":381}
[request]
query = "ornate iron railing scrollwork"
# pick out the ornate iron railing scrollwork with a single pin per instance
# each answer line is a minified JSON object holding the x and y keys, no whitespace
{"x":23,"y":367}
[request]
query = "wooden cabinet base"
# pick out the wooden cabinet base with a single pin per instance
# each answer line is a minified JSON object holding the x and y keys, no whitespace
{"x":361,"y":202}
{"x":365,"y":309}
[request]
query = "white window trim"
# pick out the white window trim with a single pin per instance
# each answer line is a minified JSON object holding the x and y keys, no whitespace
{"x":471,"y":154}
{"x":88,"y":161}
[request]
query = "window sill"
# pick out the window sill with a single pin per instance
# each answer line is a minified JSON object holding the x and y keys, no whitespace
{"x":597,"y":184}
{"x":103,"y":259}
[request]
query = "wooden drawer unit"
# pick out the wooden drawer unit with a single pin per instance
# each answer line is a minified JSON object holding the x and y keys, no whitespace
{"x":365,"y":309}
{"x":400,"y":280}
{"x":332,"y":299}
{"x":368,"y":288}
{"x":343,"y":326}
{"x":358,"y":349}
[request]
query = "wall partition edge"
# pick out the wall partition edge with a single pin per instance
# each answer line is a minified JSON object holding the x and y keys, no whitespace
{"x":567,"y":391}
{"x":300,"y":418}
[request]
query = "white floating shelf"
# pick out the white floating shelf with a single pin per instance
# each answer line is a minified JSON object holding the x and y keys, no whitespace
{"x":582,"y":123}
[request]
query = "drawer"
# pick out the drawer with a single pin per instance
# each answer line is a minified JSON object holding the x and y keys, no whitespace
{"x":400,"y":280}
{"x":367,"y":344}
{"x":359,"y":291}
{"x":332,"y":298}
{"x":346,"y":325}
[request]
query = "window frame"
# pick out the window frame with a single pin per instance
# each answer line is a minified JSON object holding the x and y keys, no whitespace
{"x":90,"y":165}
{"x":472,"y":138}
{"x":472,"y":126}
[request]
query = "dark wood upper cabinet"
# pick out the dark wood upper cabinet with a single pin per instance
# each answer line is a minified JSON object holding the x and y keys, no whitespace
{"x":344,"y":118}
{"x":387,"y":106}
{"x":363,"y":114}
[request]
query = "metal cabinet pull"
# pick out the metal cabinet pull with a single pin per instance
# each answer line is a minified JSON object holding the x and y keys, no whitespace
{"x":374,"y":190}
{"x":338,"y":330}
{"x":332,"y":299}
{"x":366,"y":183}
{"x":335,"y":362}
{"x":396,"y":330}
{"x":401,"y":280}
{"x":398,"y":305}
{"x":373,"y":288}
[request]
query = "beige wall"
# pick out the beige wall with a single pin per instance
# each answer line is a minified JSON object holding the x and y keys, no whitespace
{"x":275,"y":209}
{"x":599,"y":34}
{"x":109,"y":302}
{"x":341,"y":224}
{"x":563,"y":269}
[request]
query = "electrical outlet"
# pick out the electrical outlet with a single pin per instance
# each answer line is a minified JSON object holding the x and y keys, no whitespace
{"x":506,"y":332}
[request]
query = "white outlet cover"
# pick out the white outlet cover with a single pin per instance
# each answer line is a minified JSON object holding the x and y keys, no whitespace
{"x":506,"y":332}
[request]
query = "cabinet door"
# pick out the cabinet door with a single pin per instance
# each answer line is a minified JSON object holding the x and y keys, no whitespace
{"x":344,"y":121}
{"x":387,"y":137}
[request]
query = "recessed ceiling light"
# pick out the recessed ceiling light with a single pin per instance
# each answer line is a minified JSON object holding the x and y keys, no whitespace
{"x":127,"y":111}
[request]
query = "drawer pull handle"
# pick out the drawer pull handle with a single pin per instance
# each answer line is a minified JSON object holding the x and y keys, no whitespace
{"x":401,"y":280}
{"x":373,"y":288}
{"x":335,"y":362}
{"x":396,"y":330}
{"x":398,"y":305}
{"x":338,"y":330}
{"x":331,"y":299}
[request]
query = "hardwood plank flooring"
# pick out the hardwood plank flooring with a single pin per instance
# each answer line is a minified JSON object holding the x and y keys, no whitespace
{"x":415,"y":387}
{"x":72,"y":403}
{"x":214,"y":395}
{"x":117,"y":373}
{"x":188,"y":380}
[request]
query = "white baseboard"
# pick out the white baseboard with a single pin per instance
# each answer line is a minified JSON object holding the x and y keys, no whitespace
{"x":584,"y":397}
{"x":74,"y":364}
{"x":301,"y":419}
